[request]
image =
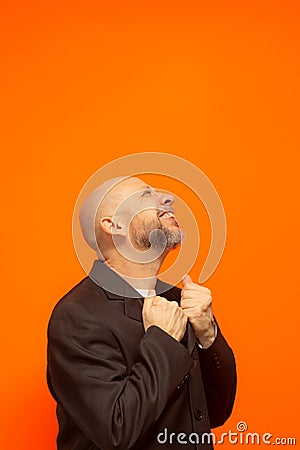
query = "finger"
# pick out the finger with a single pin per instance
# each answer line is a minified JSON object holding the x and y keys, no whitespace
{"x":186,"y":279}
{"x":195,"y":291}
{"x":188,"y":313}
{"x":191,"y":303}
{"x":157,"y":300}
{"x":151,"y":293}
{"x":174,"y":304}
{"x":197,"y":295}
{"x":148,"y":302}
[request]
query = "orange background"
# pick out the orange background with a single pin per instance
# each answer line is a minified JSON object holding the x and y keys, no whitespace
{"x":214,"y":82}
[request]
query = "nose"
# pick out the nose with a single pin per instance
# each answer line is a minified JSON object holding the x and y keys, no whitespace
{"x":165,"y":199}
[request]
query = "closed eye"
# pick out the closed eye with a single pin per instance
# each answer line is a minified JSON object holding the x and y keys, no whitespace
{"x":148,"y":191}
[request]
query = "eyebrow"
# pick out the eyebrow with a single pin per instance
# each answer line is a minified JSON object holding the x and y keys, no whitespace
{"x":146,"y":190}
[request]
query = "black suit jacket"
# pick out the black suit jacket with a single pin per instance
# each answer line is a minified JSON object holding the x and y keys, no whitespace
{"x":117,"y":387}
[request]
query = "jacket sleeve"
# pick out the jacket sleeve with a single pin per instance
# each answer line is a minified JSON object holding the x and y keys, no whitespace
{"x":115,"y":408}
{"x":218,"y":371}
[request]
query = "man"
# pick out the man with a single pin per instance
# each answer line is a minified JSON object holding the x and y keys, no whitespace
{"x":134,"y":363}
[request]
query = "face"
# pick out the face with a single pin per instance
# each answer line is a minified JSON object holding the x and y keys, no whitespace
{"x":151,"y":216}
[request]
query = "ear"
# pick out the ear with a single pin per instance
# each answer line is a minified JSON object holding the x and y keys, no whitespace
{"x":109,"y":226}
{"x":105,"y":224}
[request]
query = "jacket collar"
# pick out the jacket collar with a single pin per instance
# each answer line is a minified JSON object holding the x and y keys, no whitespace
{"x":117,"y":288}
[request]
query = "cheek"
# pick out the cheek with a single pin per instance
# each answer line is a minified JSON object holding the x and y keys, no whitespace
{"x":134,"y":225}
{"x":148,"y":219}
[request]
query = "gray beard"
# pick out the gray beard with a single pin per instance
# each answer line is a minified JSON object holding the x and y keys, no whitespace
{"x":166,"y":237}
{"x":158,"y":238}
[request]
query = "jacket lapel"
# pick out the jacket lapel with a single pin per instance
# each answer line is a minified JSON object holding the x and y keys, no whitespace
{"x":133,"y":308}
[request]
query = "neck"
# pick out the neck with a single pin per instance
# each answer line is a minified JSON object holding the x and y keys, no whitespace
{"x":138,"y":275}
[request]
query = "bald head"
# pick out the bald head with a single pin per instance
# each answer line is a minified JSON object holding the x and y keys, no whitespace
{"x":90,"y":207}
{"x":103,"y":201}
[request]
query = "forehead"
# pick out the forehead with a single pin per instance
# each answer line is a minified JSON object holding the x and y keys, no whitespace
{"x":131,"y":185}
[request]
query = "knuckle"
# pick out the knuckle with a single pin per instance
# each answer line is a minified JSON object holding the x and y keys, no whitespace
{"x":206,"y":290}
{"x":173,"y":304}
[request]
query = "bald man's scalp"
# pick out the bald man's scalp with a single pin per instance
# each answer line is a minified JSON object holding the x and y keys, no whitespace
{"x":103,"y":202}
{"x":98,"y":203}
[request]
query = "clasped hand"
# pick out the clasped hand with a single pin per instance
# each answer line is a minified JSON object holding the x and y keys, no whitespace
{"x":195,"y":306}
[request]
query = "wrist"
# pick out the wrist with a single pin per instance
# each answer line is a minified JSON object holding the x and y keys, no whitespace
{"x":206,"y":338}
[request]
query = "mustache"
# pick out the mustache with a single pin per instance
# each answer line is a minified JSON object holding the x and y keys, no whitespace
{"x":161,"y":211}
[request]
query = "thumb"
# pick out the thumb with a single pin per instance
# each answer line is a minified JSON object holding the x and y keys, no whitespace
{"x":149,"y":299}
{"x":186,"y":279}
{"x":151,"y":293}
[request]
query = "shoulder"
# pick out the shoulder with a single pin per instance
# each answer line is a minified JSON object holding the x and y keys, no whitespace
{"x":84,"y":301}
